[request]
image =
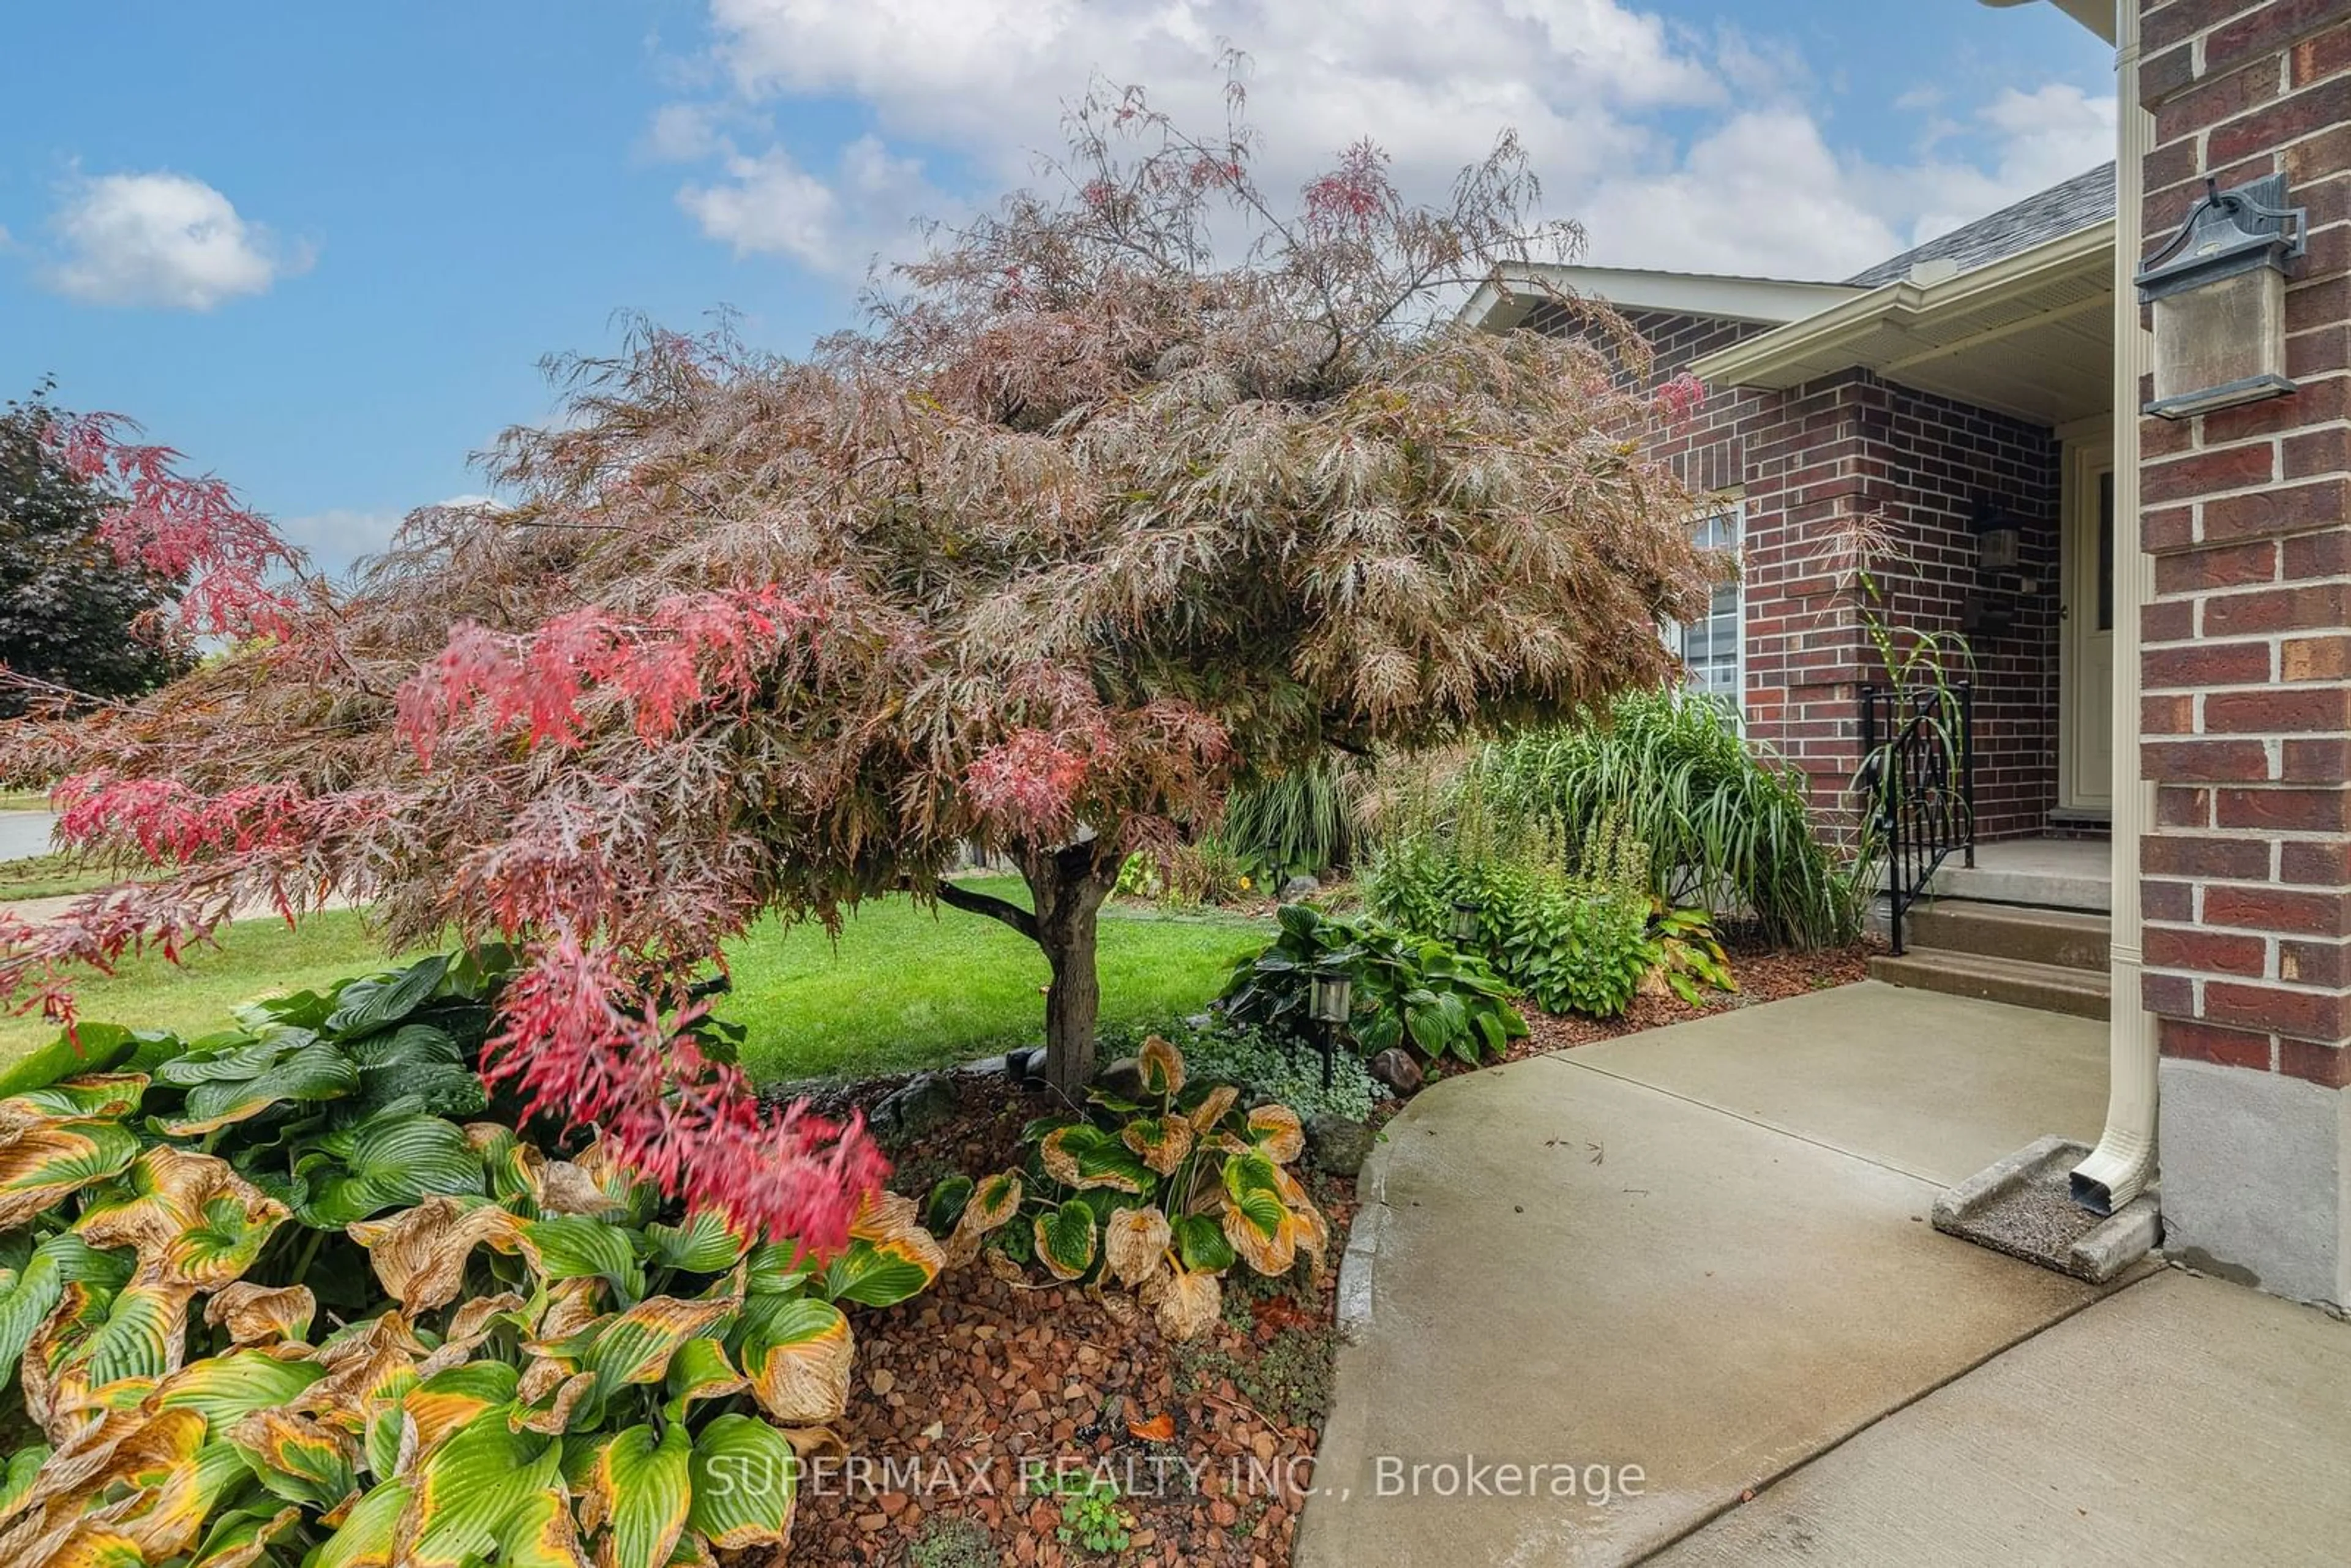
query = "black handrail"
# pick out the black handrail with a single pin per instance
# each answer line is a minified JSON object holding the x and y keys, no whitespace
{"x":1918,"y":763}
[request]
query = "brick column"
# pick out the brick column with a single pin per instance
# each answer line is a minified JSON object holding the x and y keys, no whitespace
{"x":2246,"y":672}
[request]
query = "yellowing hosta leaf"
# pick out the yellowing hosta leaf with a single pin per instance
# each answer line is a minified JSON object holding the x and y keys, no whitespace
{"x":641,"y":1488}
{"x":1276,"y":1130}
{"x":1261,"y":1231}
{"x":308,"y":1464}
{"x":637,"y":1345}
{"x":190,"y":1219}
{"x":516,"y":1170}
{"x":43,"y":1166}
{"x":700,"y":1370}
{"x":224,"y":1389}
{"x":1211,"y":1111}
{"x":16,"y":1481}
{"x":1161,"y":1066}
{"x":1184,"y":1303}
{"x":745,"y":1474}
{"x":240,"y":1540}
{"x":364,"y":1538}
{"x":1064,"y":1239}
{"x":541,"y":1534}
{"x":448,"y":1401}
{"x":467,"y":1489}
{"x":142,"y":1340}
{"x":259,"y":1314}
{"x":995,"y":1200}
{"x":97,"y":1096}
{"x":1161,"y":1141}
{"x":28,"y":1302}
{"x":890,"y":1256}
{"x":571,"y":1305}
{"x":89,"y":1546}
{"x":367,"y":1364}
{"x":551,"y":1399}
{"x":152,"y":1475}
{"x":1085,"y":1157}
{"x":420,"y":1254}
{"x":797,"y":1353}
{"x":1133,"y":1241}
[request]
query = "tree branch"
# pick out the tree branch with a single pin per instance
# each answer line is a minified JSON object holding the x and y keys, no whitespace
{"x":987,"y":903}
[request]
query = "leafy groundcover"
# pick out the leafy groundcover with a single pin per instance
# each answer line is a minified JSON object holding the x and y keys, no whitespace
{"x":291,"y":1294}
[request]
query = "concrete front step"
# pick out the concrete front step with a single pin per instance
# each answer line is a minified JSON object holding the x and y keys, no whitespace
{"x":2064,"y":939}
{"x":2050,"y":988}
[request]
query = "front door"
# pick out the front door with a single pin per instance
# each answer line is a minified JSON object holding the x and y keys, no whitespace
{"x":2085,"y":689}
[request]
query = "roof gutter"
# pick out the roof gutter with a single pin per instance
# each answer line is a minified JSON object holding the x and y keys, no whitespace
{"x":1769,"y":360}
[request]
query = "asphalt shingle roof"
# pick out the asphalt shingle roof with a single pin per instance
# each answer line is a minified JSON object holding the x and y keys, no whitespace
{"x":2080,"y":202}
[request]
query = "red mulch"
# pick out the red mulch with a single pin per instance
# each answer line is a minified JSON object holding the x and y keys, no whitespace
{"x":959,"y":1389}
{"x":1763,"y":977}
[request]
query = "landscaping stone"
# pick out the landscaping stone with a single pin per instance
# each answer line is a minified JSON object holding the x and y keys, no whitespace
{"x":923,"y":1104}
{"x":1338,"y":1146}
{"x":1395,"y":1068}
{"x":1026,"y":1066}
{"x":1122,"y":1078}
{"x":1299,"y":887}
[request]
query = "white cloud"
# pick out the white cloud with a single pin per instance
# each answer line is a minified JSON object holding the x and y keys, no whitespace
{"x":771,"y":203}
{"x":1677,"y":148}
{"x":162,"y":239}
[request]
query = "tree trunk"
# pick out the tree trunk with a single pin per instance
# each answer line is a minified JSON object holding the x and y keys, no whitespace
{"x":1070,"y":886}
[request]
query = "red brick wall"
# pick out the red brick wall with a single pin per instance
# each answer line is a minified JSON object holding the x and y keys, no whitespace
{"x":1813,"y":459}
{"x":2247,"y":712}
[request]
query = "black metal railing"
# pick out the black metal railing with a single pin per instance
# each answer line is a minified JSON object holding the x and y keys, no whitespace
{"x":1918,"y":769}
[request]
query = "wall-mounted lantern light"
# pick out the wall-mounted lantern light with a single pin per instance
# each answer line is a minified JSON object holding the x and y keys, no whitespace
{"x":2218,"y":290}
{"x":2000,"y":536}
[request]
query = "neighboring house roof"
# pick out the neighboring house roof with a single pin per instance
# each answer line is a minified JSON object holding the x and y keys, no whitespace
{"x":2078,"y":204}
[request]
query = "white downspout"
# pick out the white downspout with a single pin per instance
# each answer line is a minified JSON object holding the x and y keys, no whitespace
{"x":2119,"y":1168}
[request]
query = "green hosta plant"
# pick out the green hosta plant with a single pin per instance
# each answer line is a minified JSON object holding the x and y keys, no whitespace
{"x":1407,"y":991}
{"x":1685,"y":954}
{"x":543,"y":1365}
{"x":1159,"y":1196}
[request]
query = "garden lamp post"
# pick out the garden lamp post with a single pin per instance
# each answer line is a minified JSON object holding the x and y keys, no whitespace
{"x":1465,"y":921}
{"x":1330,"y":1005}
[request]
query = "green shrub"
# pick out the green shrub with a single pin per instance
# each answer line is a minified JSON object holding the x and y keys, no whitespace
{"x":1298,"y":823}
{"x":1408,"y":989}
{"x":1724,"y":822}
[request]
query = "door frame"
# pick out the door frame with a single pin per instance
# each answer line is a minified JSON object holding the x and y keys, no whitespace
{"x":2088,"y":452}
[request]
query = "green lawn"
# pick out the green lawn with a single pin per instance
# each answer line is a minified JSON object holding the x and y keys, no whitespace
{"x":908,"y":987}
{"x":255,"y":958}
{"x":49,"y":876}
{"x":23,"y":799}
{"x":904,"y":988}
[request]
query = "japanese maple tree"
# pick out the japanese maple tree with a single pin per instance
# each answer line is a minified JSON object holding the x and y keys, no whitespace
{"x":1142,"y":484}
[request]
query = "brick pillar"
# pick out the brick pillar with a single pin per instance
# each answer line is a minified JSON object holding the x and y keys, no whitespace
{"x":2245,"y":707}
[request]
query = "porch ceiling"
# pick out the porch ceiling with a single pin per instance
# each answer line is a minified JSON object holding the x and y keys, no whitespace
{"x":2031,"y":335}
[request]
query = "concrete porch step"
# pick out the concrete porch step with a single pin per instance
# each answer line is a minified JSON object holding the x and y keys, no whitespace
{"x":2050,"y":988}
{"x":2064,"y":939}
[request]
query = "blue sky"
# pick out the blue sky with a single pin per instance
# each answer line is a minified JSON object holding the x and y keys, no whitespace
{"x":322,"y":247}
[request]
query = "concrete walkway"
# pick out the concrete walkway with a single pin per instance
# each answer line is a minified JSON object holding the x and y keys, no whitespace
{"x":1679,"y":1267}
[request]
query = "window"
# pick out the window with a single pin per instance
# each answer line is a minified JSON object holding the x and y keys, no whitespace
{"x":1711,"y":646}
